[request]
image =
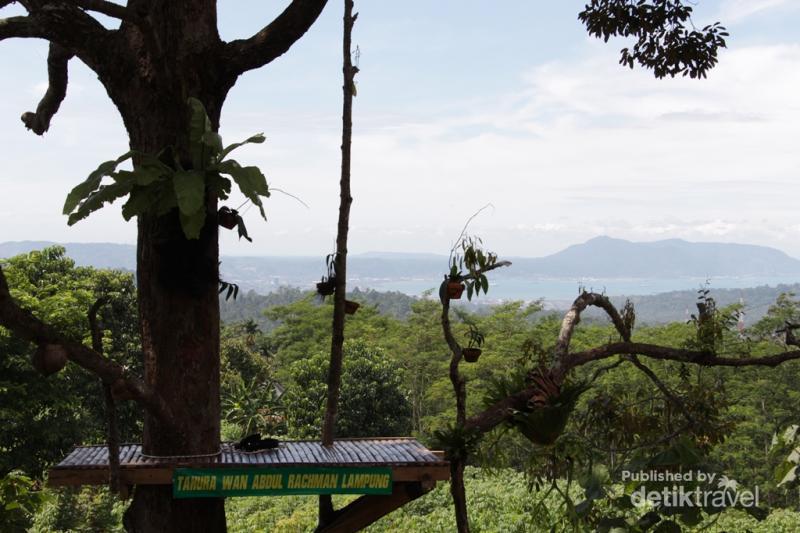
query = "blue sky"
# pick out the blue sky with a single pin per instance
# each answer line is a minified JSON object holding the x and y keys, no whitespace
{"x":461,"y":103}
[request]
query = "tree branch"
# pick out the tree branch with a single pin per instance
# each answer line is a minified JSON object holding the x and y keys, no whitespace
{"x":109,"y":9}
{"x":662,"y":387}
{"x":63,"y":23}
{"x":478,"y":273}
{"x":57,"y":60}
{"x":26,"y":326}
{"x":496,"y":414}
{"x":20,"y":27}
{"x":573,"y":317}
{"x":274,"y":39}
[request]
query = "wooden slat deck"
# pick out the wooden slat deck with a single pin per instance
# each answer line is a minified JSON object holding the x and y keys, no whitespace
{"x":409,"y":460}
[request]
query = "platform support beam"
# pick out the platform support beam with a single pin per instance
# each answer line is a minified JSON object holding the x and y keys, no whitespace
{"x":369,"y":508}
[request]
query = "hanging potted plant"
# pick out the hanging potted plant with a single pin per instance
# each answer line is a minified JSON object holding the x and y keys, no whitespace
{"x":350,"y":307}
{"x":468,"y":256}
{"x":546,"y":414}
{"x":473,"y":351}
{"x":327,"y":285}
{"x":454,"y":285}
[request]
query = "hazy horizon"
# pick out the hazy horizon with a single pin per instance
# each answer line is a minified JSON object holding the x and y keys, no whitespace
{"x":409,"y":253}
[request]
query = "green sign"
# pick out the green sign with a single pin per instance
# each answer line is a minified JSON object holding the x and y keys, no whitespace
{"x":223,"y":482}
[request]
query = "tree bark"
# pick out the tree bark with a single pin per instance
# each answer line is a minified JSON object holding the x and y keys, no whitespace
{"x":340,"y":260}
{"x":326,"y":511}
{"x":459,"y":495}
{"x":177,"y":280}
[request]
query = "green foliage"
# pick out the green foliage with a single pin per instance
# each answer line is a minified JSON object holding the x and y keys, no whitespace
{"x":787,"y":446}
{"x":711,"y":323}
{"x":159,"y":183}
{"x":476,"y":338}
{"x":457,"y":442}
{"x":474,"y":259}
{"x":544,"y":424}
{"x":372,"y":402}
{"x":19,"y":501}
{"x":42,"y":418}
{"x":87,"y":509}
{"x":666,"y":38}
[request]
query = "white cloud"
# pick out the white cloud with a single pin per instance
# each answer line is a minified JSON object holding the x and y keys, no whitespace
{"x":733,"y":11}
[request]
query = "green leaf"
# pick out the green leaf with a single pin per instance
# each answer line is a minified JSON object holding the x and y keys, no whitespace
{"x":87,"y":187}
{"x":189,"y":190}
{"x":485,"y":283}
{"x":251,"y":181}
{"x":147,"y":174}
{"x":213,"y":143}
{"x":96,"y":200}
{"x":241,"y":229}
{"x":193,"y":223}
{"x":165,"y":200}
{"x":790,"y":476}
{"x":140,"y":200}
{"x":199,"y":125}
{"x":258,"y":138}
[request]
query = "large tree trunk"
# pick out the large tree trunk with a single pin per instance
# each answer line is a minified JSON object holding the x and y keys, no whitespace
{"x":179,"y":317}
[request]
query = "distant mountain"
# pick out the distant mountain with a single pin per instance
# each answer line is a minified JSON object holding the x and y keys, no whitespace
{"x":680,"y":264}
{"x":601,"y":258}
{"x":604,"y":257}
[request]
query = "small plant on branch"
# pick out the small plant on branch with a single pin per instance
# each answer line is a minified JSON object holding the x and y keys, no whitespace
{"x":159,"y":183}
{"x":327,"y":285}
{"x":457,"y":442}
{"x":473,"y":350}
{"x":468,"y":262}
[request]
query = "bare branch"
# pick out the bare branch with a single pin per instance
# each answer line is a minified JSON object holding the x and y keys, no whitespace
{"x":109,"y":9}
{"x":602,"y":370}
{"x":662,"y":387}
{"x":28,"y":327}
{"x":573,"y":317}
{"x":57,"y":60}
{"x":274,"y":39}
{"x":63,"y":23}
{"x":20,"y":27}
{"x":478,"y":273}
{"x":653,"y":351}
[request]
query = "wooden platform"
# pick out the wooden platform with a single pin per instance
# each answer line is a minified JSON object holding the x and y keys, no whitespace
{"x":409,"y":460}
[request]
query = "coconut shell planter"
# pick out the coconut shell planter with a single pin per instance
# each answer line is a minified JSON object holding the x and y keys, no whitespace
{"x":49,"y":359}
{"x":351,"y":307}
{"x":227,"y":218}
{"x":454,"y":290}
{"x":471,"y":355}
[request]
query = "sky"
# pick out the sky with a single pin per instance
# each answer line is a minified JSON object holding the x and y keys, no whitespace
{"x":460,"y":104}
